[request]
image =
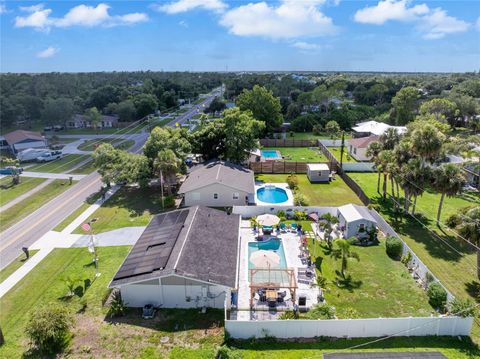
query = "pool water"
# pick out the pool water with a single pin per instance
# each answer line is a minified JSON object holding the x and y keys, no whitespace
{"x":272,"y":194}
{"x":270,"y":154}
{"x":273,"y":244}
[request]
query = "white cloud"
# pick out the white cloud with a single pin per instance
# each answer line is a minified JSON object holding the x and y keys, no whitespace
{"x":81,"y":15}
{"x":183,"y":23}
{"x":477,"y":24}
{"x":180,"y":6}
{"x":3,"y":9}
{"x":302,"y":45}
{"x":432,"y":23}
{"x":291,"y":19}
{"x":48,"y":52}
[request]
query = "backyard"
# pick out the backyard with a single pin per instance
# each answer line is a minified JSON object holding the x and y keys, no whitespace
{"x":312,"y":136}
{"x":336,"y":151}
{"x":62,"y":165}
{"x":334,"y":193}
{"x":299,"y":154}
{"x":9,"y":192}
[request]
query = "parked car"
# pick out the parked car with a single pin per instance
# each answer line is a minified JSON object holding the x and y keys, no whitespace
{"x":148,"y":311}
{"x":58,"y":128}
{"x":48,"y":128}
{"x":51,"y":156}
{"x":31,"y":154}
{"x":11,"y":170}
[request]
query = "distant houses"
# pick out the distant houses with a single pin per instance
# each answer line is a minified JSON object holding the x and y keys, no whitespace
{"x":357,"y":147}
{"x":370,"y":128}
{"x":82,"y":121}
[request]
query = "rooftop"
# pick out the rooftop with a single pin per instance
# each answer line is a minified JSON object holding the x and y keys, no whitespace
{"x":318,"y":167}
{"x":376,"y":128}
{"x":363,"y":142}
{"x":352,"y":212}
{"x":22,"y":135}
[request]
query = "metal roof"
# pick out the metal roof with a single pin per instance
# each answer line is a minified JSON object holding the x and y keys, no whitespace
{"x":352,"y":212}
{"x":318,"y":167}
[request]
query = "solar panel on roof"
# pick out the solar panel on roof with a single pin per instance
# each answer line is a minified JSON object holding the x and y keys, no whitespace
{"x":154,"y":247}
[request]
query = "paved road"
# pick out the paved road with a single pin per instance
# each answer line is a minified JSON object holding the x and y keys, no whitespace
{"x":31,"y":228}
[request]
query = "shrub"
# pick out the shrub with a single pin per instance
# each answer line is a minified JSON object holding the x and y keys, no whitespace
{"x":300,"y":215}
{"x":317,"y":129}
{"x":394,"y":247}
{"x":281,"y":215}
{"x":292,"y":181}
{"x":169,"y":201}
{"x":462,"y":308}
{"x":225,"y":352}
{"x":348,"y":313}
{"x":352,"y":241}
{"x":321,"y":311}
{"x":406,"y":258}
{"x":437,"y":296}
{"x":117,"y":306}
{"x":300,"y":200}
{"x":49,"y":328}
{"x":288,"y":314}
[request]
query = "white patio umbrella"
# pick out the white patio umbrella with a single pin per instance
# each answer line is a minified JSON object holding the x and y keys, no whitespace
{"x":265,"y":259}
{"x":268,"y":220}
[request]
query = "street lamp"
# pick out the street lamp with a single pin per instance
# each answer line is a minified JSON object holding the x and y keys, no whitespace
{"x":88,"y":227}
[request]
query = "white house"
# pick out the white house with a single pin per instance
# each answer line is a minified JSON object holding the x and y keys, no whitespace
{"x":368,"y":128}
{"x":20,"y":140}
{"x":357,"y":147}
{"x":354,"y":220}
{"x":185,"y":258}
{"x":81,"y":121}
{"x":318,"y":172}
{"x":218,"y":184}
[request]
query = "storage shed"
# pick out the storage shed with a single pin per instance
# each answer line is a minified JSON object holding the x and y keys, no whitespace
{"x":318,"y":172}
{"x":354,"y":220}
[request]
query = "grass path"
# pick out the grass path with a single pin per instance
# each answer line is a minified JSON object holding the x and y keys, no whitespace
{"x":9,"y":192}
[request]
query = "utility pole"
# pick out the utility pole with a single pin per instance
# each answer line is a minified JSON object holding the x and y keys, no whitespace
{"x":341,"y":150}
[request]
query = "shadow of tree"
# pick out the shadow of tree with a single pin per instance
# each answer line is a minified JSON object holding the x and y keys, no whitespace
{"x":473,"y":289}
{"x":346,"y":282}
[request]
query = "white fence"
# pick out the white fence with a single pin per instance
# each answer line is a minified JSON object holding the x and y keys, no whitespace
{"x":252,"y":211}
{"x":359,"y":167}
{"x":333,"y":143}
{"x":350,"y":328}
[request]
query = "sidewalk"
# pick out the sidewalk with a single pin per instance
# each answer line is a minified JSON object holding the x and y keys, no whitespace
{"x":25,"y":195}
{"x":52,"y":175}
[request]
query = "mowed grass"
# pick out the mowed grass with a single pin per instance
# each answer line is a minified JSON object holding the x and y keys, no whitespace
{"x":129,"y":207}
{"x":299,"y":154}
{"x":69,"y":219}
{"x":45,"y":285}
{"x":312,"y":136}
{"x":32,"y":203}
{"x":85,"y":169}
{"x":9,"y":192}
{"x":59,"y":166}
{"x":347,"y":158}
{"x":13,"y":266}
{"x":91,"y":145}
{"x":375,"y":286}
{"x":334,"y":193}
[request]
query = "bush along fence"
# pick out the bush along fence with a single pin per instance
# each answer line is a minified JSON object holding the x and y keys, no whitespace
{"x":281,"y":167}
{"x":271,"y":142}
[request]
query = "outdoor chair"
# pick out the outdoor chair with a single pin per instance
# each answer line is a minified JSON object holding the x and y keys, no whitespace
{"x":293,"y":227}
{"x":283,"y":228}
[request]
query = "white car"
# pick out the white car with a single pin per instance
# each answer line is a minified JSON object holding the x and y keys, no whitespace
{"x":50,"y":156}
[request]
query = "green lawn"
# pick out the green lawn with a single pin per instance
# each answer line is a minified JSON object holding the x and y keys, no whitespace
{"x":300,"y":154}
{"x":91,"y":145}
{"x":129,"y":207}
{"x":59,"y":166}
{"x":335,"y":193}
{"x":346,"y":156}
{"x":85,"y":169}
{"x":376,"y":286}
{"x":9,"y":192}
{"x":106,"y":131}
{"x":312,"y":136}
{"x":12,"y":267}
{"x":32,"y":203}
{"x":91,"y":200}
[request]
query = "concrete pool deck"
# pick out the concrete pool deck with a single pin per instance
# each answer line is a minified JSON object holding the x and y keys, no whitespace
{"x":284,"y":186}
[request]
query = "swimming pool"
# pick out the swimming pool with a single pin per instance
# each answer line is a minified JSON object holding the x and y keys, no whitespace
{"x":273,"y":244}
{"x":272,"y":194}
{"x":271,"y":154}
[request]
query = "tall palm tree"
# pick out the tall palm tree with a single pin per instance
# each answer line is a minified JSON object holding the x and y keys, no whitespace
{"x":427,"y":142}
{"x":343,"y":252}
{"x":166,"y":165}
{"x":390,"y":138}
{"x":448,"y":180}
{"x":330,"y":220}
{"x":373,"y":150}
{"x":386,"y":159}
{"x":413,"y":178}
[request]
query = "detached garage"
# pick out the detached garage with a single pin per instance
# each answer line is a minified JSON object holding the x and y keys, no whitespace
{"x":355,"y":220}
{"x":20,"y":140}
{"x":176,"y":263}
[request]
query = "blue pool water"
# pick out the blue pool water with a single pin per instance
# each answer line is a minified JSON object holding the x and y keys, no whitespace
{"x":273,"y":244}
{"x":271,"y":154}
{"x":272,"y":194}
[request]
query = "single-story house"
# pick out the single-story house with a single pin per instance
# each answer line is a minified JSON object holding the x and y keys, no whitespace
{"x":20,"y":140}
{"x":81,"y":121}
{"x":357,"y":147}
{"x":185,"y":258}
{"x":369,"y":128}
{"x":318,"y":172}
{"x":354,"y":220}
{"x":218,"y":184}
{"x":472,"y":175}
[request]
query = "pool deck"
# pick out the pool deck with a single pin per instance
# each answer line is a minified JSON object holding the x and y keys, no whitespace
{"x":284,"y":186}
{"x":291,"y":244}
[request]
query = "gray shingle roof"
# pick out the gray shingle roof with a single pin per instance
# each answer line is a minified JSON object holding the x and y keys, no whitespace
{"x":226,"y":173}
{"x":197,"y":242}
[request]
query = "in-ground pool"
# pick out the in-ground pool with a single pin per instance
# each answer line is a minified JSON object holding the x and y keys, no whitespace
{"x":272,"y":194}
{"x":271,"y":154}
{"x":273,"y":244}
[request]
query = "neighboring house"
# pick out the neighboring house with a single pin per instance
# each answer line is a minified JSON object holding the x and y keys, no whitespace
{"x":81,"y":121}
{"x":218,"y":184}
{"x":369,"y":128}
{"x":354,"y":220}
{"x":318,"y":172}
{"x":20,"y":140}
{"x":186,"y":258}
{"x":357,"y":147}
{"x":472,"y":175}
{"x":254,"y":155}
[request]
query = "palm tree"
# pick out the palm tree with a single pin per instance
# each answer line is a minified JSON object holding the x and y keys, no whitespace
{"x":386,"y":159}
{"x":448,"y":180}
{"x":389,"y":139}
{"x":166,"y":166}
{"x":413,"y":178}
{"x":343,"y":252}
{"x":330,"y":220}
{"x":427,"y":142}
{"x":373,"y":150}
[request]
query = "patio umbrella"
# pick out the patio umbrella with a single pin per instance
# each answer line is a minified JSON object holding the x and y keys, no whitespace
{"x":313,"y":216}
{"x":268,"y":220}
{"x":265,"y":259}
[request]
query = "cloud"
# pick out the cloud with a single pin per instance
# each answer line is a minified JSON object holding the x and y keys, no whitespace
{"x":180,"y":6}
{"x":477,"y":24}
{"x":3,"y":9}
{"x":302,"y":45}
{"x":183,"y":23}
{"x":81,"y":15}
{"x":432,"y":23}
{"x":291,"y":19}
{"x":48,"y":52}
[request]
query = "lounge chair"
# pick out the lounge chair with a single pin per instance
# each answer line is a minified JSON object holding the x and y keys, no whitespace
{"x":283,"y":228}
{"x":293,"y":227}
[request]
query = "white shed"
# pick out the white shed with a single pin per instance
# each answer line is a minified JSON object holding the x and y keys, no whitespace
{"x":354,"y":220}
{"x":318,"y":172}
{"x":176,"y":263}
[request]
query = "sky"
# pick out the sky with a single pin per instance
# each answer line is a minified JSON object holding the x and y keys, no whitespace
{"x":221,"y":35}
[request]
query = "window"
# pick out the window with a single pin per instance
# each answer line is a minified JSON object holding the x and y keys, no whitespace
{"x":355,"y":151}
{"x":215,"y":196}
{"x":236,"y":195}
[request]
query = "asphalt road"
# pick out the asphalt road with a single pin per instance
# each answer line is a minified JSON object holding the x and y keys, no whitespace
{"x":31,"y":228}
